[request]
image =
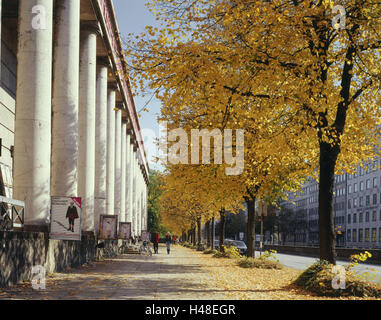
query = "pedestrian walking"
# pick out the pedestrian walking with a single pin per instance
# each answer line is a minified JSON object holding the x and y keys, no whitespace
{"x":168,"y":240}
{"x":155,"y":241}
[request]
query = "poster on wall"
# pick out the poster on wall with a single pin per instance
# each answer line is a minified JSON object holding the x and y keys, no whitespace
{"x":108,"y":226}
{"x":65,"y":219}
{"x":146,"y":236}
{"x":124,"y":230}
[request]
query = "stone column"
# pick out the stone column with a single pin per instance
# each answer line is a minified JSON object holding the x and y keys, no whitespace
{"x":139,"y":199}
{"x":128,"y":179}
{"x":136,"y":184}
{"x":34,"y":112}
{"x":118,"y":155}
{"x":100,"y":142}
{"x":87,"y":110}
{"x":110,"y":193}
{"x":65,"y":100}
{"x":1,"y":5}
{"x":134,"y":223}
{"x":123,"y":173}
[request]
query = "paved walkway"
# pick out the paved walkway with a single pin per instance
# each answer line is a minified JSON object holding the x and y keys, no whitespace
{"x":165,"y":277}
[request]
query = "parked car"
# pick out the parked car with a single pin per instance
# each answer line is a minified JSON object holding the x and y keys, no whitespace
{"x":240,"y":245}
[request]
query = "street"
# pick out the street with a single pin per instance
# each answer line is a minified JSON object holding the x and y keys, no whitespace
{"x":302,"y":263}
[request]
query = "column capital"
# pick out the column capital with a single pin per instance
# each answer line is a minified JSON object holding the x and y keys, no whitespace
{"x":91,"y":26}
{"x":112,"y":86}
{"x":103,"y":61}
{"x":120,"y":105}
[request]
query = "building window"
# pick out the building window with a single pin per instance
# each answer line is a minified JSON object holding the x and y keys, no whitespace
{"x":349,"y":204}
{"x":374,"y":235}
{"x":349,"y":189}
{"x":368,"y":183}
{"x":375,"y":182}
{"x":361,"y":233}
{"x":367,"y":200}
{"x":355,"y":189}
{"x":8,"y":76}
{"x":349,"y":218}
{"x":349,"y":235}
{"x":354,"y":235}
{"x":374,"y":216}
{"x":375,"y":198}
{"x":379,"y":235}
{"x":355,"y":203}
{"x":354,"y":217}
{"x":361,"y":185}
{"x":361,"y":202}
{"x":361,"y":217}
{"x":367,"y":217}
{"x":367,"y":235}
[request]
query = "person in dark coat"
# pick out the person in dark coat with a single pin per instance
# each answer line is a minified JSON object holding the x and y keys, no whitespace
{"x":155,"y":241}
{"x":168,"y":240}
{"x":71,"y":214}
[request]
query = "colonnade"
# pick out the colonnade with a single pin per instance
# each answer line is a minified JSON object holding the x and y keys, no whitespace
{"x":72,"y":137}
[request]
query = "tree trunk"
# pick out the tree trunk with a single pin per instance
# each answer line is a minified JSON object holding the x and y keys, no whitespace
{"x":222,"y":230}
{"x":250,"y":227}
{"x":212,"y":233}
{"x":207,"y":230}
{"x":328,"y":157}
{"x":194,"y":235}
{"x":199,"y":244}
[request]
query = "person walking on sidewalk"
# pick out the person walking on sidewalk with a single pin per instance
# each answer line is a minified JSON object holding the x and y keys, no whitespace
{"x":168,"y":240}
{"x":156,"y":242}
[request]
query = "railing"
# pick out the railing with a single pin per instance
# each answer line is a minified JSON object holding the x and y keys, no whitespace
{"x":11,"y":214}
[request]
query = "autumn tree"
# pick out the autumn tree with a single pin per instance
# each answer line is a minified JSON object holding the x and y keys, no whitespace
{"x":306,"y":92}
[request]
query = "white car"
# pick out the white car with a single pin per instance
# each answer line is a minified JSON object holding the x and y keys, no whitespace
{"x":240,"y":245}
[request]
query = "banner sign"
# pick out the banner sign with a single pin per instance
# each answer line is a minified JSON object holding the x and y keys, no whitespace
{"x":65,"y":218}
{"x":6,"y":182}
{"x":124,"y":230}
{"x":108,"y":227}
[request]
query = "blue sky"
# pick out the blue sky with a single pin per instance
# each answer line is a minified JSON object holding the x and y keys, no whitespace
{"x":133,"y":16}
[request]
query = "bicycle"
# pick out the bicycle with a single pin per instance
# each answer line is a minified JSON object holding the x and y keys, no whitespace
{"x":123,"y":248}
{"x":145,"y":249}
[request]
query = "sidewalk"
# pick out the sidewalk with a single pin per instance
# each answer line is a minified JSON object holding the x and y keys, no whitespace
{"x":175,"y":276}
{"x":184,"y":274}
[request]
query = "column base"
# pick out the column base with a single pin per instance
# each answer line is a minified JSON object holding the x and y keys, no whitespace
{"x":88,"y":233}
{"x":36,"y":228}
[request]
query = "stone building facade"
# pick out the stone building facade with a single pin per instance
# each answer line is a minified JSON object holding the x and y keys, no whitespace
{"x":68,"y":122}
{"x":357,"y":209}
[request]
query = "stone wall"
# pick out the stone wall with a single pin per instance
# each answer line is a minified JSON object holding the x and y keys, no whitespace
{"x":342,"y":253}
{"x":20,"y":251}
